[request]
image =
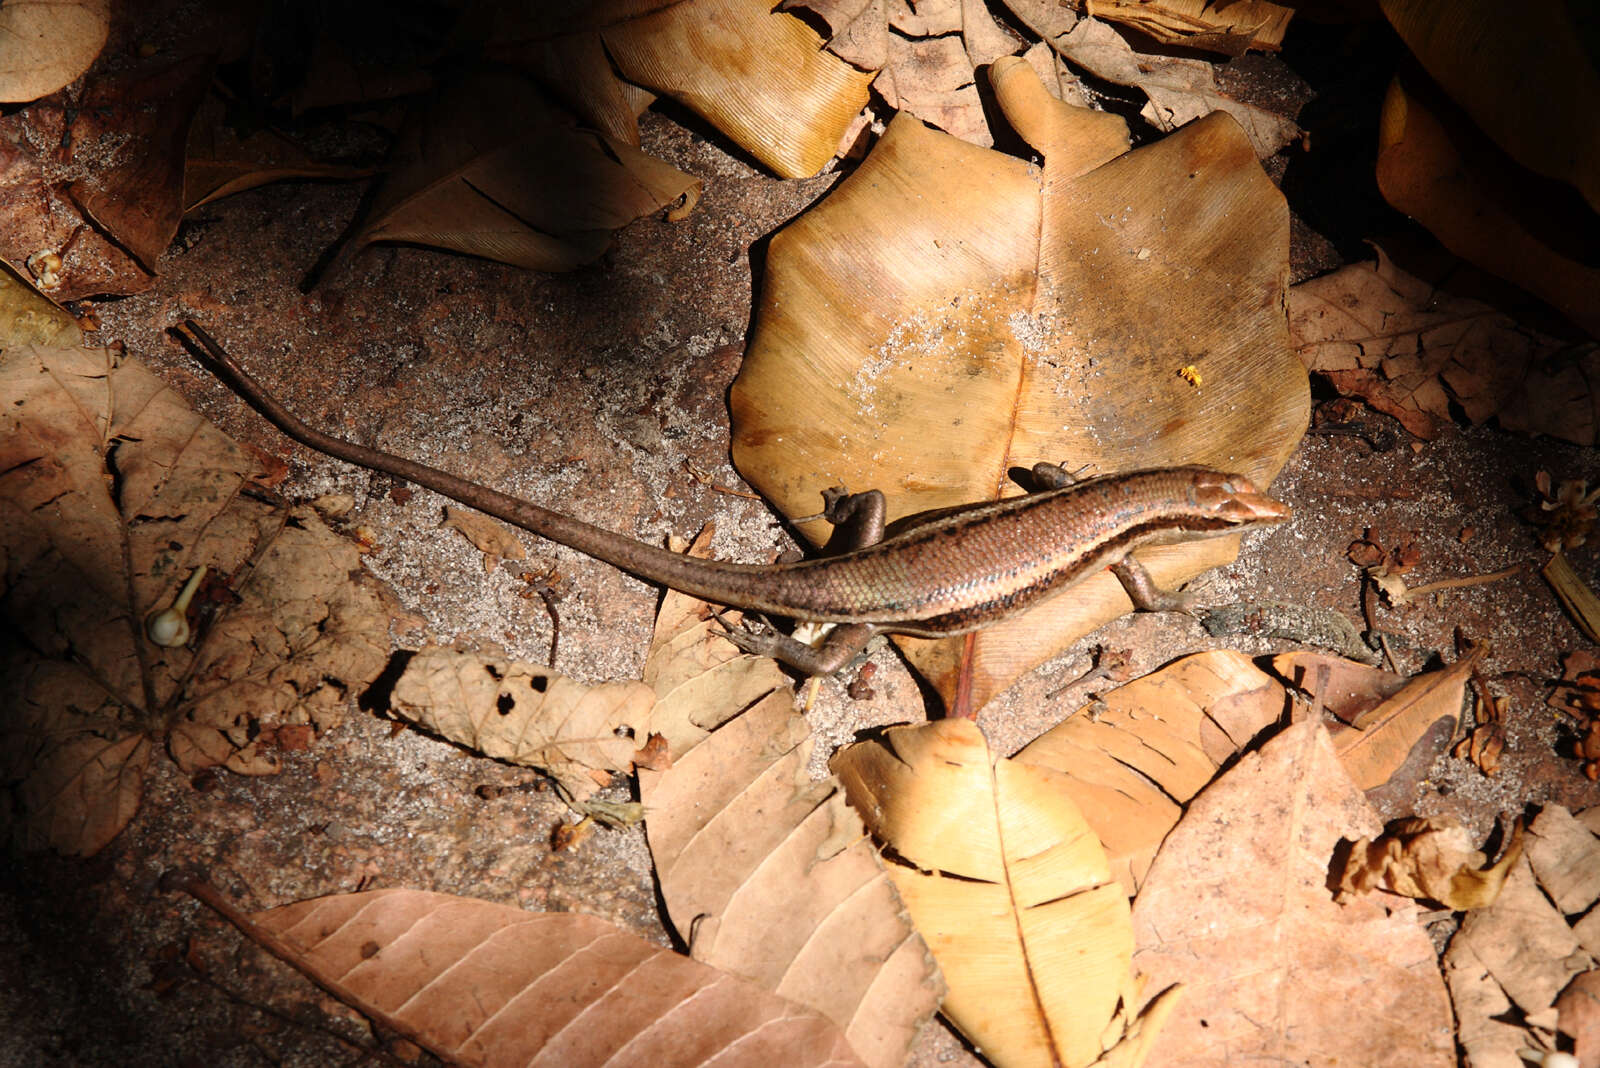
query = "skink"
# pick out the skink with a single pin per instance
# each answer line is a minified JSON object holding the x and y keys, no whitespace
{"x":950,"y":572}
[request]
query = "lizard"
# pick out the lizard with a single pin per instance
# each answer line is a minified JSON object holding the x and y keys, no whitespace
{"x":946,"y":572}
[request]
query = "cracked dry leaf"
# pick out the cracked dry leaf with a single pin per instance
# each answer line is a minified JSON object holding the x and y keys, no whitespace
{"x":926,"y":58}
{"x":488,"y":535}
{"x":1009,"y":886}
{"x":1231,"y":27}
{"x":758,"y":75}
{"x":1237,"y":907}
{"x":480,"y":983}
{"x":949,"y":313}
{"x":1413,"y":350}
{"x":701,"y":680}
{"x":1135,"y":757}
{"x":113,"y":492}
{"x":769,"y":875}
{"x":516,"y":182}
{"x":1179,"y":90}
{"x":526,"y":714}
{"x":1430,"y":859}
{"x":1436,"y":167}
{"x":45,"y":46}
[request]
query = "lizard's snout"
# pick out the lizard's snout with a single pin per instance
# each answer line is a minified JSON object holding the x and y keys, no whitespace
{"x":1235,"y":498}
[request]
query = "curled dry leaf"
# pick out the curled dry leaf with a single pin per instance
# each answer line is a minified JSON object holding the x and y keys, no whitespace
{"x":218,"y":163}
{"x":769,"y":875}
{"x":1179,"y":90}
{"x":1435,"y":167}
{"x":479,"y":983}
{"x":949,"y":313}
{"x":1005,"y":880}
{"x":1134,"y":758}
{"x":1232,"y":28}
{"x":525,"y":714}
{"x":488,"y":535}
{"x":113,"y":491}
{"x":493,"y":169}
{"x":756,"y":74}
{"x":44,"y":46}
{"x":1410,"y":349}
{"x":1506,"y":68}
{"x":28,"y":317}
{"x":1236,"y":906}
{"x":100,"y":203}
{"x":1428,"y":859}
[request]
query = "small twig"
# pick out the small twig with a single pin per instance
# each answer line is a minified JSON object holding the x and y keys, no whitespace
{"x":716,"y":487}
{"x":1458,"y":583}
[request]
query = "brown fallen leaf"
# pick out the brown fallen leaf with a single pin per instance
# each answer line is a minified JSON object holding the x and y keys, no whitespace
{"x":28,"y":317}
{"x":1565,"y":856}
{"x":218,"y":163}
{"x":1232,"y":28}
{"x":93,"y":214}
{"x":1504,"y":70}
{"x":1427,"y":859}
{"x":769,"y":875}
{"x":1576,"y":595}
{"x":525,"y":714}
{"x":518,"y":182}
{"x":758,"y":75}
{"x":1236,"y":906}
{"x":1412,"y":350}
{"x":926,"y":345}
{"x":479,"y":983}
{"x":45,"y":46}
{"x":1578,"y":1010}
{"x":1133,"y":758}
{"x":1435,"y":167}
{"x":113,"y":493}
{"x":1007,"y":883}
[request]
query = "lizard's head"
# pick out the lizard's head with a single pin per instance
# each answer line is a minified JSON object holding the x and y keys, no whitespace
{"x":1234,"y":501}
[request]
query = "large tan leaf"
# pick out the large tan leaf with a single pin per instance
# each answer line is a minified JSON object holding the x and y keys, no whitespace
{"x":484,"y":984}
{"x":758,"y":75}
{"x":1006,"y":881}
{"x":769,"y":875}
{"x":112,"y":492}
{"x":1231,"y":27}
{"x":1529,"y":76}
{"x":1141,"y":752}
{"x":44,"y":44}
{"x":949,"y":313}
{"x":514,"y":180}
{"x":528,"y":715}
{"x":1237,"y":907}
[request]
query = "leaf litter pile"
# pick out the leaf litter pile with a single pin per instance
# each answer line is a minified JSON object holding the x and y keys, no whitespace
{"x":299,"y":765}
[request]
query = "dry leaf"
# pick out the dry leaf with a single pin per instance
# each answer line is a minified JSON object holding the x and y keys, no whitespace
{"x":1578,"y":1010}
{"x":1482,"y":1011}
{"x":113,"y":492}
{"x":1434,"y":167}
{"x":105,"y":198}
{"x":1524,"y":943}
{"x":525,"y":714}
{"x":1565,"y":856}
{"x":484,"y":984}
{"x":1010,"y":889}
{"x":1385,"y":740}
{"x":1180,"y":90}
{"x":1576,"y":595}
{"x":701,"y":680}
{"x":1231,"y":27}
{"x":1528,"y":77}
{"x":926,"y":344}
{"x":1135,"y":756}
{"x":488,"y":535}
{"x":44,"y":46}
{"x":28,"y":317}
{"x":758,"y":75}
{"x":517,"y":182}
{"x":1236,"y":906}
{"x":1411,"y":350}
{"x":218,"y":163}
{"x":769,"y":875}
{"x":1429,"y":859}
